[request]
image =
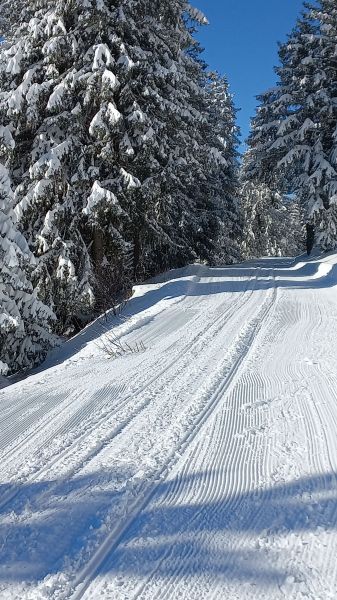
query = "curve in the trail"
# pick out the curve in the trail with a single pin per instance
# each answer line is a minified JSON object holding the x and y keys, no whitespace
{"x":107,"y":423}
{"x":236,"y":492}
{"x":245,"y":343}
{"x":203,"y":467}
{"x":41,"y":465}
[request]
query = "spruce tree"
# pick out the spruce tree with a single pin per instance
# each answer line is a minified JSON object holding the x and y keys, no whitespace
{"x":272,"y":222}
{"x":222,"y":118}
{"x":179,"y":160}
{"x":58,"y":105}
{"x":25,"y":322}
{"x":116,"y":169}
{"x":122,"y":162}
{"x":293,"y":137}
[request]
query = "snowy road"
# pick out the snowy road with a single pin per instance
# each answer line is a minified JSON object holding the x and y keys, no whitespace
{"x":204,"y":466}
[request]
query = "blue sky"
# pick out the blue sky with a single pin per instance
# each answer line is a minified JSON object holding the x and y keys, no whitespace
{"x":241,"y":41}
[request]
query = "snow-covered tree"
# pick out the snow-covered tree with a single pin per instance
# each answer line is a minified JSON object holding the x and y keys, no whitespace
{"x":25,"y":321}
{"x":272,"y":222}
{"x":58,"y":108}
{"x":114,"y":159}
{"x":294,"y":133}
{"x":120,"y":163}
{"x":222,"y":118}
{"x":175,"y":153}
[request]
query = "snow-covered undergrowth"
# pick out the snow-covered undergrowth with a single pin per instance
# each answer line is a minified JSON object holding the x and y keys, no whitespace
{"x":202,"y":467}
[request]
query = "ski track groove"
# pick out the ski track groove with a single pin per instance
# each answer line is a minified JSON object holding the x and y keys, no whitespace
{"x":268,"y":498}
{"x":13,"y":493}
{"x":215,"y":488}
{"x":10,"y":412}
{"x":112,"y":541}
{"x":232,"y":455}
{"x":309,"y":409}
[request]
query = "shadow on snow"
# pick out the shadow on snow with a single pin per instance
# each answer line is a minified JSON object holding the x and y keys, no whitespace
{"x":46,"y":526}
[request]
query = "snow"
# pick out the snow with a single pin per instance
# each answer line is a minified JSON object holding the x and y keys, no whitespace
{"x":6,"y":137}
{"x":110,"y":80}
{"x":102,"y":57}
{"x":50,"y":163}
{"x":108,"y":114}
{"x":99,"y":196}
{"x":129,"y":180}
{"x":113,"y":115}
{"x":196,"y":15}
{"x":14,"y":63}
{"x":201,"y":466}
{"x":65,"y":268}
{"x":57,"y":96}
{"x":126,"y":62}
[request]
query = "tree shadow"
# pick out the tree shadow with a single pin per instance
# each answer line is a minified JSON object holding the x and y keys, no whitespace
{"x":48,"y":525}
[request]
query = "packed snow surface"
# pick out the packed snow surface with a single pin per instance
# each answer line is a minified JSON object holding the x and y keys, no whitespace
{"x":199,"y":463}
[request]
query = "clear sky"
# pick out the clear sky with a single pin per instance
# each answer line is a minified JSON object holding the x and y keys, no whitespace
{"x":241,"y":42}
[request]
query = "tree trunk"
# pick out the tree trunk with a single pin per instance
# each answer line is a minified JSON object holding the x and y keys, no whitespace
{"x":310,"y":237}
{"x":97,"y":248}
{"x":136,"y":253}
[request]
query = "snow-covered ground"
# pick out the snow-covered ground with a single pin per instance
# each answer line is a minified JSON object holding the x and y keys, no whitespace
{"x":203,"y":466}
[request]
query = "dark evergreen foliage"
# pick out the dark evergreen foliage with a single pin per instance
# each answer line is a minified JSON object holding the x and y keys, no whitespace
{"x":293,"y":139}
{"x":119,"y":150}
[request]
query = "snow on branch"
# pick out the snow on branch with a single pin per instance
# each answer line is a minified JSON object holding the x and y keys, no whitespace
{"x":100,"y":196}
{"x":196,"y":15}
{"x":102,"y":58}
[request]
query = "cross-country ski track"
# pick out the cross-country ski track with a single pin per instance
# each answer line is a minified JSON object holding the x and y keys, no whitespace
{"x":201,"y":466}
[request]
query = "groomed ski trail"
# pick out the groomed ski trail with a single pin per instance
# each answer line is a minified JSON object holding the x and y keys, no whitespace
{"x":202,"y":467}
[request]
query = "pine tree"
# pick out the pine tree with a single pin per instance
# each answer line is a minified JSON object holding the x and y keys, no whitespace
{"x":294,"y":133}
{"x":178,"y":158}
{"x":222,"y":118}
{"x":115,"y":165}
{"x":58,"y":105}
{"x":272,"y":222}
{"x":25,"y":322}
{"x":122,"y":162}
